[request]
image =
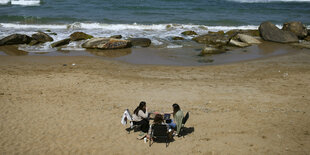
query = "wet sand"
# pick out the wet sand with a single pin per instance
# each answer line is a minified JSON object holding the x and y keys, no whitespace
{"x":50,"y":106}
{"x":186,"y":56}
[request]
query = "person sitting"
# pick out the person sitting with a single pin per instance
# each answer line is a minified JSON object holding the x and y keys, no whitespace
{"x":176,"y":123}
{"x":159,"y":120}
{"x":140,"y":117}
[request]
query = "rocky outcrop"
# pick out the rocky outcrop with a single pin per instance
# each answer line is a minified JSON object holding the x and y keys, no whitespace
{"x":15,"y":39}
{"x":177,"y":38}
{"x":254,"y":33}
{"x":80,"y":36}
{"x":189,"y":33}
{"x":247,"y":39}
{"x":33,"y":42}
{"x":142,"y":42}
{"x":217,"y":33}
{"x":106,"y":43}
{"x":42,"y":37}
{"x":212,"y":39}
{"x":297,"y":28}
{"x":307,"y":38}
{"x":238,"y":43}
{"x":61,"y":43}
{"x":211,"y":50}
{"x":117,"y":36}
{"x":270,"y":32}
{"x":304,"y":44}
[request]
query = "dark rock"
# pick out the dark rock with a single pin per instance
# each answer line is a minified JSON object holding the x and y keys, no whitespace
{"x":212,"y":50}
{"x":297,"y":28}
{"x":110,"y":53}
{"x":302,"y":45}
{"x":177,"y":38}
{"x":189,"y":33}
{"x":33,"y":42}
{"x":80,"y":36}
{"x":254,"y":33}
{"x":117,"y":36}
{"x":217,"y":33}
{"x":42,"y":37}
{"x":106,"y":43}
{"x":15,"y":39}
{"x":48,"y":31}
{"x":61,"y":43}
{"x":307,"y":38}
{"x":143,"y":42}
{"x":53,"y":33}
{"x":212,"y":39}
{"x":270,"y":32}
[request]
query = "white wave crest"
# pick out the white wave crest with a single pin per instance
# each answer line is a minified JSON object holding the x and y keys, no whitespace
{"x":4,"y":2}
{"x":119,"y":27}
{"x":32,"y":26}
{"x":268,"y":1}
{"x":26,"y":2}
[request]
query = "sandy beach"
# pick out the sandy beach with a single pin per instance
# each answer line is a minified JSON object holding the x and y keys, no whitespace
{"x":50,"y":106}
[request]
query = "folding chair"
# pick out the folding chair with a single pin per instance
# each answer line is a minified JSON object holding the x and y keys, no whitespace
{"x":159,"y":132}
{"x":133,"y":126}
{"x":184,"y":120}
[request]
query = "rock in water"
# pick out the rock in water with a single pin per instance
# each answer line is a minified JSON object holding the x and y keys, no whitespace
{"x":61,"y":43}
{"x":297,"y":28}
{"x":212,"y":39}
{"x":177,"y":38}
{"x":238,"y":43}
{"x":234,"y":32}
{"x":117,"y":36}
{"x":33,"y":42}
{"x":307,"y":38}
{"x":143,"y":42}
{"x":247,"y":39}
{"x":211,"y":50}
{"x":189,"y":33}
{"x":42,"y":37}
{"x":106,"y":43}
{"x":15,"y":39}
{"x":80,"y":36}
{"x":270,"y":32}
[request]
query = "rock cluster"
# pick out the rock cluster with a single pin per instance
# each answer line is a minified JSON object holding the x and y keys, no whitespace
{"x":114,"y":42}
{"x":219,"y":42}
{"x":294,"y":33}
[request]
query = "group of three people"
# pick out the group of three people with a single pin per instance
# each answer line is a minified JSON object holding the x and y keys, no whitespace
{"x":141,"y":117}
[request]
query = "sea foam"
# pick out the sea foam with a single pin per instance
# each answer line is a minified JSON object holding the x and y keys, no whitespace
{"x":4,"y":2}
{"x":26,"y":2}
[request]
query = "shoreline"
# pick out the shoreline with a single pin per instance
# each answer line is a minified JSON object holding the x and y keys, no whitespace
{"x":165,"y":56}
{"x":253,"y":107}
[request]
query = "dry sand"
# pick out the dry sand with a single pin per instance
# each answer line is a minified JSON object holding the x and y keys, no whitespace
{"x":255,"y":107}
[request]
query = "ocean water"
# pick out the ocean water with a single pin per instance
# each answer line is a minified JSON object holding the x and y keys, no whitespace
{"x":143,"y":18}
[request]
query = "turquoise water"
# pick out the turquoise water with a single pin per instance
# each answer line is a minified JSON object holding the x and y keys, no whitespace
{"x":144,"y":18}
{"x":202,"y":12}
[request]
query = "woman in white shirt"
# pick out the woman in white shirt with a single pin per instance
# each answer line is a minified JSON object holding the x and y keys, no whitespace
{"x":140,"y":117}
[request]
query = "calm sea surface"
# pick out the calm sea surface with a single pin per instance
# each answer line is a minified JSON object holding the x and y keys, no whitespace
{"x":202,"y":12}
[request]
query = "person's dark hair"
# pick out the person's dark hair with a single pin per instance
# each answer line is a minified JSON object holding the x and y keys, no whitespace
{"x":140,"y":107}
{"x":176,"y":108}
{"x":158,"y":119}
